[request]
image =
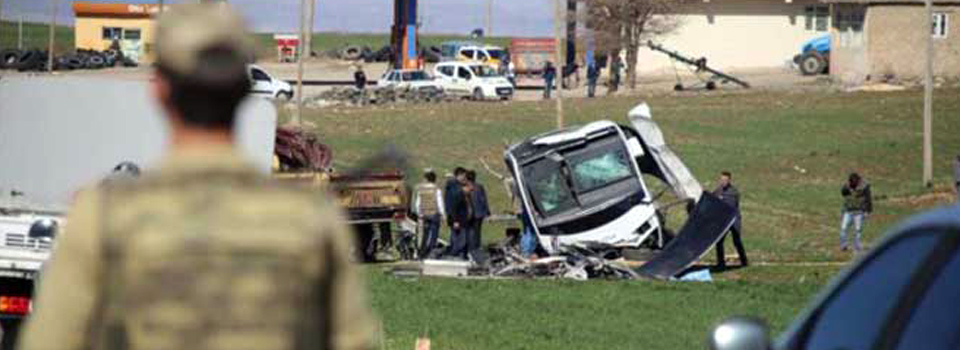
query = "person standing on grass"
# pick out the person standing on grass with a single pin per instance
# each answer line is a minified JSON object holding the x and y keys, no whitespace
{"x":729,"y":194}
{"x":549,"y":75}
{"x":593,"y":73}
{"x":458,"y":213}
{"x":857,"y":205}
{"x":428,"y":205}
{"x":956,"y":176}
{"x":480,"y":212}
{"x":615,"y":68}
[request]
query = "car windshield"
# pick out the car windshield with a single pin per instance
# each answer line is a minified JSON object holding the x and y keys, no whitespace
{"x":484,"y":71}
{"x":496,"y":54}
{"x":582,"y":177}
{"x":600,"y":170}
{"x":415,"y":76}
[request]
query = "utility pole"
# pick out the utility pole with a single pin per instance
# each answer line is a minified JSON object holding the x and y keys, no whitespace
{"x":20,"y":34}
{"x":558,"y":66}
{"x":161,"y":6}
{"x":489,"y":18}
{"x":53,"y":29}
{"x":928,"y":101}
{"x":311,"y":17}
{"x":1,"y":19}
{"x":303,"y":26}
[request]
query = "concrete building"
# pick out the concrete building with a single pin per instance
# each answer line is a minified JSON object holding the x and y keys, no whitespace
{"x":98,"y":24}
{"x":877,"y":39}
{"x":741,"y":34}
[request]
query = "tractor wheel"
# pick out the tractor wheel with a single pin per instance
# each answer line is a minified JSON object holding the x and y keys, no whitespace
{"x":811,"y":63}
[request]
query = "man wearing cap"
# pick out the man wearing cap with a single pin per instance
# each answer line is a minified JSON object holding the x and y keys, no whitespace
{"x":202,"y":252}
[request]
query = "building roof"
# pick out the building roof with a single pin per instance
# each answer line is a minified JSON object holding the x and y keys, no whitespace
{"x":892,"y":2}
{"x":114,"y":10}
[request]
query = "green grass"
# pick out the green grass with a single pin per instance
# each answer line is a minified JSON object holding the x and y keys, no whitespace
{"x":35,"y":36}
{"x":789,"y":152}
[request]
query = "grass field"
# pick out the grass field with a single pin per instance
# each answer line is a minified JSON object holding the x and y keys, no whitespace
{"x":790,"y":154}
{"x":35,"y":36}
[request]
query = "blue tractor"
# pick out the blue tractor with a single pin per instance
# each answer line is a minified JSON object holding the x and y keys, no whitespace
{"x":814,"y":57}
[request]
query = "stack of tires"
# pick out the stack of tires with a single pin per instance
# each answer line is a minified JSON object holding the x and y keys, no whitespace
{"x":385,"y":54}
{"x":37,"y":60}
{"x":23,"y":60}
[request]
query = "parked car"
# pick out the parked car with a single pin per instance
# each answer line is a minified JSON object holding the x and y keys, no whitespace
{"x":409,"y":78}
{"x":814,"y":57}
{"x":262,"y":84}
{"x":901,"y":295}
{"x":475,"y":80}
{"x":488,"y":55}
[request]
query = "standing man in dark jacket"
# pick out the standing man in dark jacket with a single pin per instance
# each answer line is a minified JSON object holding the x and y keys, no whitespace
{"x":458,"y":212}
{"x":730,"y":195}
{"x":480,"y":212}
{"x":593,"y":74}
{"x":857,"y":205}
{"x":360,"y":78}
{"x":615,"y":67}
{"x":549,"y":75}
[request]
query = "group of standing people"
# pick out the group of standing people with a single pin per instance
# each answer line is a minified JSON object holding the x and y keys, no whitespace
{"x":462,"y":203}
{"x":593,"y":77}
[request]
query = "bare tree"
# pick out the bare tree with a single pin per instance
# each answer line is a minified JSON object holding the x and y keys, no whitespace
{"x":628,"y":24}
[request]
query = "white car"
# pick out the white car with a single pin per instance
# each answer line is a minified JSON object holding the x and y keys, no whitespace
{"x":409,"y":79}
{"x":262,"y":84}
{"x":476,"y":80}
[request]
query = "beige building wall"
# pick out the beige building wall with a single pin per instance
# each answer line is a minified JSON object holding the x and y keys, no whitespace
{"x":89,"y":33}
{"x":896,"y":41}
{"x":735,"y":34}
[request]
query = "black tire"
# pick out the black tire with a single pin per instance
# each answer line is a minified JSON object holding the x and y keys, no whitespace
{"x":477,"y":94}
{"x":29,"y":60}
{"x":678,"y":87}
{"x":284,"y":96}
{"x":9,"y":57}
{"x":711,"y":85}
{"x":96,"y":62}
{"x":811,"y":63}
{"x":351,"y":53}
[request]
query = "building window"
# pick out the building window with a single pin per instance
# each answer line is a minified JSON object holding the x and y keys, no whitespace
{"x":817,"y":17}
{"x":940,"y":25}
{"x":131,"y":34}
{"x":111,"y":33}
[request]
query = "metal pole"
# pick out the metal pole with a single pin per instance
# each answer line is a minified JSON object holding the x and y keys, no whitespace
{"x":928,"y":101}
{"x":53,"y":27}
{"x":161,"y":6}
{"x":312,"y":16}
{"x":489,"y":18}
{"x":1,"y":19}
{"x":559,"y":66}
{"x":20,"y":34}
{"x":299,"y":115}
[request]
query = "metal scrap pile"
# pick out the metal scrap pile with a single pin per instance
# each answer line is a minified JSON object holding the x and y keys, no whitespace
{"x":297,"y":149}
{"x":377,"y":96}
{"x":581,"y":266}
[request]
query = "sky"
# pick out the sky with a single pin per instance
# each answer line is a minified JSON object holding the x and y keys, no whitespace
{"x":510,"y":17}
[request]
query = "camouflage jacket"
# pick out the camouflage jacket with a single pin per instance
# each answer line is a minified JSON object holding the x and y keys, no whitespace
{"x":203,"y":254}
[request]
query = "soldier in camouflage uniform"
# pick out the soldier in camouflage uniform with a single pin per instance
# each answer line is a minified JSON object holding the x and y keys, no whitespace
{"x":204,"y":252}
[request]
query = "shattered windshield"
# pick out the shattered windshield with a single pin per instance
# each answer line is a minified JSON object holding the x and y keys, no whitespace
{"x":601,"y":170}
{"x":549,"y":187}
{"x":484,"y":71}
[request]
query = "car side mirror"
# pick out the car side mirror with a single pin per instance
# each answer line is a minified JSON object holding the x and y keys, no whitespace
{"x":44,"y":229}
{"x":741,"y":333}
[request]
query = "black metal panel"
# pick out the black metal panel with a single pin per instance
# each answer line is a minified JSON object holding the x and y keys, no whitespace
{"x":708,"y":222}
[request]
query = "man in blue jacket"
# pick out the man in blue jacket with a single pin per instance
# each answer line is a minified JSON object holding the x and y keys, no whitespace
{"x":480,"y":212}
{"x":458,"y":213}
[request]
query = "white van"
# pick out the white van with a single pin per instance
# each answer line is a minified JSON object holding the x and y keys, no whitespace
{"x":476,"y":80}
{"x":264,"y":85}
